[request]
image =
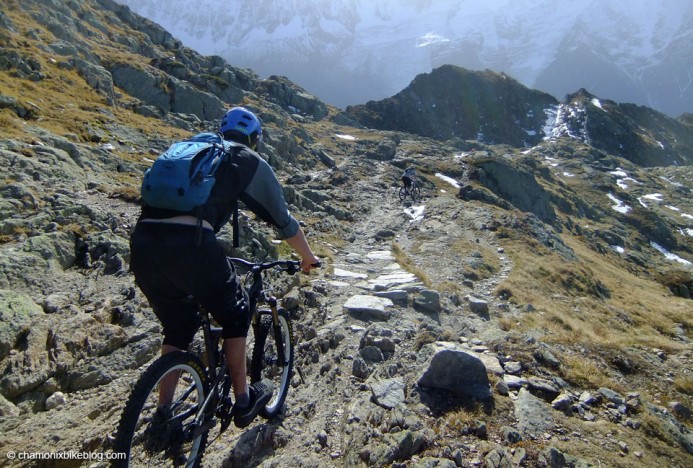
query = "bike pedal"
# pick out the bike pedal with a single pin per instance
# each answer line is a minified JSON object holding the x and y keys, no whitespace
{"x":225,"y":422}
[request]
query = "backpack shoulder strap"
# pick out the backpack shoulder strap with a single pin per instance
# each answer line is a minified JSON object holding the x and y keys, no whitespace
{"x":231,"y":149}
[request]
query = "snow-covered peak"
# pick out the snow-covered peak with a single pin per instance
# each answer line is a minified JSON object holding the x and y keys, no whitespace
{"x":350,"y":51}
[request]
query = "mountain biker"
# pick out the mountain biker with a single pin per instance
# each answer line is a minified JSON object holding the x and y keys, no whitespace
{"x":408,"y":176}
{"x":171,"y":265}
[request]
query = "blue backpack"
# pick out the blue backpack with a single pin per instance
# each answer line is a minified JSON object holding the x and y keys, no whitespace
{"x":182,"y":178}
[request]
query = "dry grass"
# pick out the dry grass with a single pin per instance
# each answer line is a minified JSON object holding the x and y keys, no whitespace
{"x":408,"y":264}
{"x":583,"y":373}
{"x":506,"y":323}
{"x":603,"y":339}
{"x":684,"y":385}
{"x":460,"y":420}
{"x":488,"y":264}
{"x":570,"y":308}
{"x":63,"y":92}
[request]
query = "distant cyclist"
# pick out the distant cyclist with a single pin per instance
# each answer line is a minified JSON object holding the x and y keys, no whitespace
{"x":408,"y":176}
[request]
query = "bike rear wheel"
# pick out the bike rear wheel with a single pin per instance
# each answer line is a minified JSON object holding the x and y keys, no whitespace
{"x":171,"y":437}
{"x":267,"y":361}
{"x":403,"y":193}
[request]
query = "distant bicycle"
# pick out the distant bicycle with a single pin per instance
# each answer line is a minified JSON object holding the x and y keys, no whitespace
{"x":202,"y":396}
{"x":413,"y":192}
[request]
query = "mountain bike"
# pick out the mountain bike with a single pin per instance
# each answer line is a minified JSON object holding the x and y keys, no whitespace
{"x":413,"y":192}
{"x":202,"y":396}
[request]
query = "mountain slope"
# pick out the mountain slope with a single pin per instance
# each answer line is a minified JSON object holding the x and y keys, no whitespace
{"x":561,"y":272}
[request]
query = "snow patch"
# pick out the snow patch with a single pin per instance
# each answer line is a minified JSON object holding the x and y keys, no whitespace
{"x":447,"y":179}
{"x":619,"y":206}
{"x":624,"y":178}
{"x":550,"y":123}
{"x":623,"y":183}
{"x":552,"y":161}
{"x":669,"y":255}
{"x":345,"y":137}
{"x":416,"y":212}
{"x":653,"y":196}
{"x":431,"y":39}
{"x":619,"y":172}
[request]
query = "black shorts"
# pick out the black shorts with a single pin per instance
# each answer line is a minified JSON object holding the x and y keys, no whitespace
{"x":170,"y":269}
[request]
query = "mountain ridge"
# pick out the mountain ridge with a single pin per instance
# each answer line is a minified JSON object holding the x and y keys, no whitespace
{"x":494,"y":108}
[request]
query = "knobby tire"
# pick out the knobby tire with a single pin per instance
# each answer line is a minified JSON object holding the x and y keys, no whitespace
{"x":265,"y":360}
{"x":141,"y":404}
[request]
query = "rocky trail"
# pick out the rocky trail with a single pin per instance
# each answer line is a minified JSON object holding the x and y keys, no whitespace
{"x":363,"y":299}
{"x":366,"y":328}
{"x":357,"y":362}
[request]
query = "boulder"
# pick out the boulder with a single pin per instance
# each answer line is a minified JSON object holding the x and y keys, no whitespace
{"x":456,"y":370}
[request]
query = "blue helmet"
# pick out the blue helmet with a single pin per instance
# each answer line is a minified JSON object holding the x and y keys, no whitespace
{"x":240,"y":120}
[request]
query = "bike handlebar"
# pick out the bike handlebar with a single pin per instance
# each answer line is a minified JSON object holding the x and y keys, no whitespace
{"x":289,"y":266}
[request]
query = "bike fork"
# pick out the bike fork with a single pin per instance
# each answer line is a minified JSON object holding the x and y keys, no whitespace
{"x":277,"y":329}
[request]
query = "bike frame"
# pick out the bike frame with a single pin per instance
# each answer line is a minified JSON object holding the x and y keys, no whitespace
{"x":216,"y":368}
{"x":258,"y":295}
{"x":216,"y":360}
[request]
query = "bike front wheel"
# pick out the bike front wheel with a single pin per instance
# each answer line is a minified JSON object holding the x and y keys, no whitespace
{"x":273,"y":357}
{"x":415,"y":193}
{"x":168,"y":436}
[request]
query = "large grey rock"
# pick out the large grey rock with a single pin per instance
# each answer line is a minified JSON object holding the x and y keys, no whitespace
{"x":187,"y":99}
{"x":7,"y":408}
{"x":17,"y":312}
{"x":677,"y":429}
{"x":533,"y":415}
{"x":388,"y":393}
{"x":145,"y":85}
{"x":478,"y":306}
{"x":614,"y":397}
{"x":292,"y":97}
{"x":97,"y":77}
{"x":456,"y":370}
{"x":366,"y":307}
{"x":514,"y":183}
{"x":398,"y":446}
{"x":428,"y":301}
{"x":492,"y":364}
{"x":54,"y":247}
{"x":391,"y":280}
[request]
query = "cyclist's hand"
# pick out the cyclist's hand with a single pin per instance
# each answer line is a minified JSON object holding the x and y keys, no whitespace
{"x":310,"y":262}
